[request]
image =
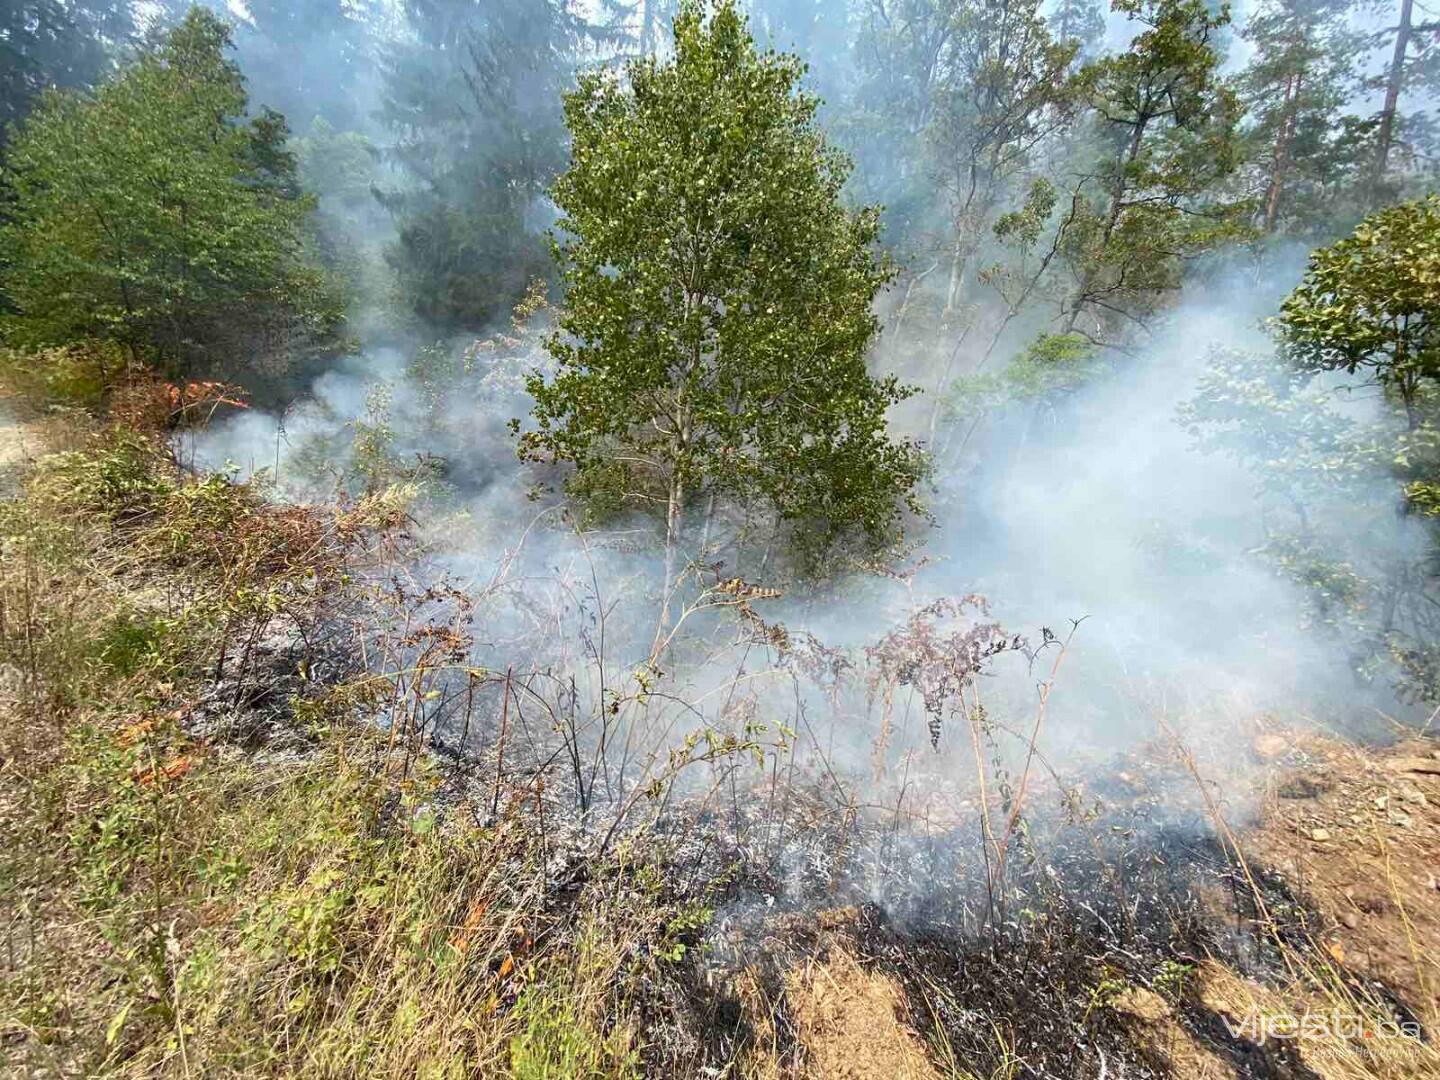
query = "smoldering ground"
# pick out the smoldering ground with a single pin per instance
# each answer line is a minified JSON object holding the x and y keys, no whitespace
{"x":990,"y":816}
{"x":1098,"y":518}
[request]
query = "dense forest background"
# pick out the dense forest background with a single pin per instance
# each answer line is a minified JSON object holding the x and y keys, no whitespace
{"x":1288,"y":120}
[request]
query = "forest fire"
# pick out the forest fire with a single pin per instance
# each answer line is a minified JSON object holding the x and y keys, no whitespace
{"x":719,"y":539}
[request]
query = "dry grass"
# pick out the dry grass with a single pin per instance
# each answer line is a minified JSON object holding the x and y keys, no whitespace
{"x":175,"y":905}
{"x":1329,"y":1048}
{"x":855,"y":1023}
{"x":185,"y":897}
{"x":1348,"y":1026}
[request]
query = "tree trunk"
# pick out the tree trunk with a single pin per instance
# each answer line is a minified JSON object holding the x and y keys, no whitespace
{"x":709,"y":525}
{"x":958,"y":259}
{"x":1280,"y":160}
{"x":1117,"y":197}
{"x":1392,"y":90}
{"x":674,"y":516}
{"x":938,"y":393}
{"x":1409,"y":386}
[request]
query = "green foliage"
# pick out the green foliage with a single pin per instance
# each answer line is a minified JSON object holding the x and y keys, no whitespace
{"x":131,"y":640}
{"x":1371,"y":303}
{"x":118,"y":478}
{"x":1170,"y":980}
{"x":1023,"y":225}
{"x":1002,"y":90}
{"x":884,"y":119}
{"x":152,"y":214}
{"x":556,"y":1039}
{"x":473,"y":102}
{"x":277,"y":914}
{"x":1329,"y":526}
{"x":342,"y":169}
{"x":374,"y":439}
{"x":1051,"y":368}
{"x":718,"y":297}
{"x":78,"y":374}
{"x":953,"y":103}
{"x":1166,"y":126}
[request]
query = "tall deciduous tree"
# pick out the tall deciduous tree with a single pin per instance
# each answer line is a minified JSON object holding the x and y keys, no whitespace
{"x":155,"y":214}
{"x":1166,"y":126}
{"x":1001,"y":93}
{"x":718,"y":299}
{"x":899,"y":57}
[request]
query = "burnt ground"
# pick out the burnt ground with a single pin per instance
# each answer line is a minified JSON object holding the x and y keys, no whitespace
{"x":1177,"y":950}
{"x":1140,"y":938}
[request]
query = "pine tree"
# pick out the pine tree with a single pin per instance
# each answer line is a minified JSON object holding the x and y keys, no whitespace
{"x":1081,"y":22}
{"x":1414,"y":65}
{"x":472,"y":99}
{"x":308,"y":58}
{"x":56,"y":44}
{"x":1300,"y":146}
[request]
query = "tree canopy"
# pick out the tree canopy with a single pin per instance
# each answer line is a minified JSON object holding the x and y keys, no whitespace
{"x":1165,"y":123}
{"x":717,"y":310}
{"x":472,"y":103}
{"x":156,"y":214}
{"x":1372,"y":302}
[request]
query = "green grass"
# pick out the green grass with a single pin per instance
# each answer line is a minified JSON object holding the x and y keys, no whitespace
{"x":182,"y":907}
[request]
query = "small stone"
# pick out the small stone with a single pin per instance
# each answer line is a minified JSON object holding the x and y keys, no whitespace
{"x":1350,"y":919}
{"x":1300,"y":786}
{"x":1319,"y":835}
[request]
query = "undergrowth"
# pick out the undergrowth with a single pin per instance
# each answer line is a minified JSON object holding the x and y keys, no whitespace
{"x":226,"y":850}
{"x":177,"y":904}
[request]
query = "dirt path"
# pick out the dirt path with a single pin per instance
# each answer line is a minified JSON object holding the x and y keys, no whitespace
{"x":20,"y":444}
{"x":1358,"y":831}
